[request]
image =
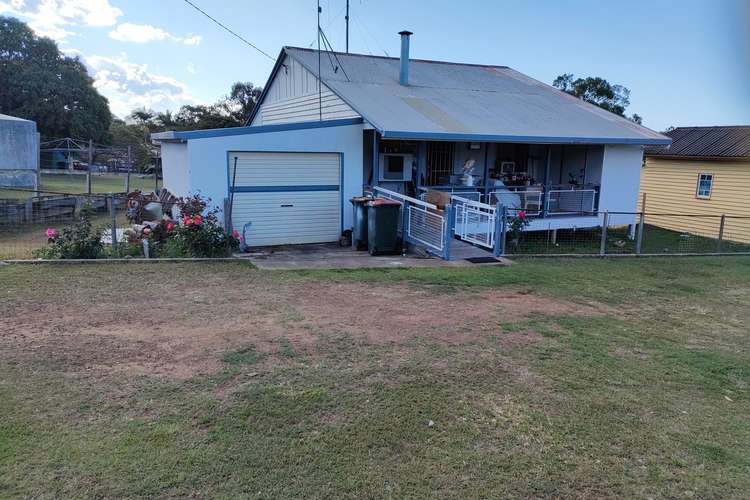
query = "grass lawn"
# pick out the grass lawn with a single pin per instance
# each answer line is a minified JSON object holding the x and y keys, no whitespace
{"x":76,"y":183}
{"x":571,"y":378}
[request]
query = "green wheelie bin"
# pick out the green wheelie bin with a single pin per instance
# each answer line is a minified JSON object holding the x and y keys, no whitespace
{"x":382,"y":227}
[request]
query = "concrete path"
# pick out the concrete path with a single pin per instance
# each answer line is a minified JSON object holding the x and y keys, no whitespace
{"x":332,"y":256}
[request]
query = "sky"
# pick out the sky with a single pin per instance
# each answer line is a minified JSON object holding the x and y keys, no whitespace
{"x":686,"y":62}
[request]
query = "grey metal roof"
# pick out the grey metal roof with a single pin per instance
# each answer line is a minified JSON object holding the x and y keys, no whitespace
{"x":706,"y":142}
{"x":13,"y":119}
{"x":453,"y":101}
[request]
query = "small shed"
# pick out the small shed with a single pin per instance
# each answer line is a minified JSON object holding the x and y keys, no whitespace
{"x":19,"y":153}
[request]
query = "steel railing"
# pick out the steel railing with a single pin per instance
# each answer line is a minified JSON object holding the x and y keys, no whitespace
{"x":516,"y":199}
{"x":475,"y":222}
{"x":426,"y":227}
{"x":570,"y":201}
{"x":426,"y":224}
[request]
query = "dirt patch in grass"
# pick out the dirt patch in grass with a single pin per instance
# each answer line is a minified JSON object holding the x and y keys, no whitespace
{"x":173,"y":331}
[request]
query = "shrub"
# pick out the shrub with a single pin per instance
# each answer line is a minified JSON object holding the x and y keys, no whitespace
{"x":79,"y":240}
{"x":199,"y":233}
{"x":516,"y":226}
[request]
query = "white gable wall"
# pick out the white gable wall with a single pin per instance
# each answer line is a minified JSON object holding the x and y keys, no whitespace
{"x":293,"y":97}
{"x":621,"y":179}
{"x":176,"y":167}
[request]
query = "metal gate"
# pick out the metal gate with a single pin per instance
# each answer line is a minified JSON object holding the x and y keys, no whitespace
{"x":422,"y":223}
{"x":475,"y":222}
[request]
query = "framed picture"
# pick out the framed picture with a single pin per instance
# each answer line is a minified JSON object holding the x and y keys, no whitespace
{"x":508,"y":167}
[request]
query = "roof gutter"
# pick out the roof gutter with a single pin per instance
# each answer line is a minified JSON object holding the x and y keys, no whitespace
{"x":443,"y":136}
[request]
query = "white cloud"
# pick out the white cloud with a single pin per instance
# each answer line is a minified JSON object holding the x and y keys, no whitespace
{"x":53,"y":18}
{"x":129,"y":85}
{"x":191,"y":68}
{"x":144,"y":33}
{"x":192,"y":40}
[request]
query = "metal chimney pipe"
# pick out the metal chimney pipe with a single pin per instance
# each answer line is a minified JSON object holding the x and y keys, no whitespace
{"x":403,"y":78}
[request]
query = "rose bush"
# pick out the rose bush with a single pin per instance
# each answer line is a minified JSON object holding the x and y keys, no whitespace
{"x":516,"y":225}
{"x":199,"y":233}
{"x":80,"y":240}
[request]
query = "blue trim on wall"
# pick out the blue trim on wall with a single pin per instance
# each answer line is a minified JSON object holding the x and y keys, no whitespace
{"x":443,"y":136}
{"x":263,"y":129}
{"x":284,"y":189}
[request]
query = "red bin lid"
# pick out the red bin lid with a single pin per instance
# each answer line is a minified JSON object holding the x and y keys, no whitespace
{"x":383,"y":201}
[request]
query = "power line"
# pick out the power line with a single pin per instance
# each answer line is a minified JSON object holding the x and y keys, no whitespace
{"x":364,"y":27}
{"x":229,"y":30}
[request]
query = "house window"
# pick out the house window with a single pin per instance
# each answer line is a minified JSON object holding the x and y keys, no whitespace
{"x":705,"y":183}
{"x":439,"y":163}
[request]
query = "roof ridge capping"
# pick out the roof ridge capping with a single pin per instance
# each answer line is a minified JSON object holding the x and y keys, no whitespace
{"x":430,"y":61}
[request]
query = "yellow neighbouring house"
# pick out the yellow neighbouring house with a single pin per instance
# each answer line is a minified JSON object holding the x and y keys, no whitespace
{"x":705,"y":171}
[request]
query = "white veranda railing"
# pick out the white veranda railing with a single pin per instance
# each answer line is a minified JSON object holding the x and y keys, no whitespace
{"x":475,"y":222}
{"x":426,"y":227}
{"x":516,"y":199}
{"x":425,"y":224}
{"x":570,"y":201}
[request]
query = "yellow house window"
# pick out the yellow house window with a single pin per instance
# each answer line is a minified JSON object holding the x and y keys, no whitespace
{"x":705,"y":183}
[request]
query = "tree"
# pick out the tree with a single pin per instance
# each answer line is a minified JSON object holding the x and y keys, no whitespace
{"x":137,"y":136}
{"x":39,"y":83}
{"x":598,"y":91}
{"x":242,"y":100}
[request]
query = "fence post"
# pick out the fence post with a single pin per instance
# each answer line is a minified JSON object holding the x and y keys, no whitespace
{"x":28,"y":212}
{"x":449,"y":214}
{"x":404,"y":224}
{"x":88,"y":170}
{"x":504,"y":230}
{"x":639,"y":237}
{"x":603,"y":243}
{"x":499,"y":248}
{"x":127,"y":174}
{"x":113,"y":213}
{"x":721,"y":233}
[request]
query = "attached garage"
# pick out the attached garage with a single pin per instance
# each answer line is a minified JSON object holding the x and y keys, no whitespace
{"x":283,"y":198}
{"x":292,"y":184}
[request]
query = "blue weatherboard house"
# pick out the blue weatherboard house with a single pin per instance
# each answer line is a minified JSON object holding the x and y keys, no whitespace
{"x":329,"y":125}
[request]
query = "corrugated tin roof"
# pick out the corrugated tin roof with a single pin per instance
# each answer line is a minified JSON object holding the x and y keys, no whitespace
{"x":454,"y":101}
{"x":704,"y":142}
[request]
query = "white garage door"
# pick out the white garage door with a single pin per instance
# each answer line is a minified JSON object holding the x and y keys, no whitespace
{"x":287,"y":198}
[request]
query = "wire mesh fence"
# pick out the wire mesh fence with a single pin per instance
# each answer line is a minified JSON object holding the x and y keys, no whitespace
{"x":620,"y":233}
{"x":27,"y":225}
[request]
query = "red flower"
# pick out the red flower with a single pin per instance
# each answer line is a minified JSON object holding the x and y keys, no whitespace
{"x":197,"y":220}
{"x":522,"y":214}
{"x":170,"y":227}
{"x":187,"y":221}
{"x":235,"y":234}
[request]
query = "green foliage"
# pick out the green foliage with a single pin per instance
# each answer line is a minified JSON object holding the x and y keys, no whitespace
{"x":232,"y":110}
{"x":207,"y":239}
{"x":135,"y":135}
{"x":79,"y":240}
{"x":199,"y":233}
{"x":516,"y":225}
{"x":39,"y":83}
{"x":598,"y":91}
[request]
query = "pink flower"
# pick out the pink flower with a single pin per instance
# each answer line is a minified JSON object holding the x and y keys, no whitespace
{"x":51,"y":233}
{"x":522,"y":214}
{"x":197,"y":220}
{"x":187,"y":221}
{"x":235,"y":234}
{"x":170,"y":227}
